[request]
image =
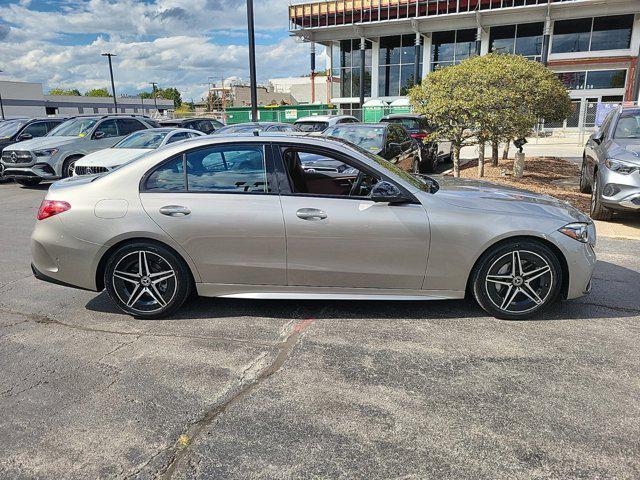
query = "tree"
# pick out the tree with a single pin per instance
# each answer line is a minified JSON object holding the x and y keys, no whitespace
{"x":169,"y":93}
{"x":61,"y":91}
{"x":449,"y":102}
{"x":97,"y":92}
{"x":491,"y":98}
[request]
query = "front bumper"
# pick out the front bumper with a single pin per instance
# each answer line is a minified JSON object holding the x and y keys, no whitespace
{"x":43,"y":171}
{"x":620,"y":192}
{"x":581,"y":261}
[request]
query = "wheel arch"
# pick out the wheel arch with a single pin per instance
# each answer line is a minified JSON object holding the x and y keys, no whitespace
{"x":99,"y":279}
{"x":71,"y":156}
{"x":564,"y":288}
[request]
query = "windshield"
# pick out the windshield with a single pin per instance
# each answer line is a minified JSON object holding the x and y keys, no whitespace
{"x":628,"y":126}
{"x":366,"y":136}
{"x":312,"y":126}
{"x":421,"y":182}
{"x":76,"y":127}
{"x":408,"y":123}
{"x":10,"y":128}
{"x":148,"y":140}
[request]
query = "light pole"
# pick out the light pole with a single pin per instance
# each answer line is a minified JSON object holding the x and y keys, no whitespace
{"x":1,"y":105}
{"x":113,"y":85}
{"x":154,"y":86}
{"x":252,"y":63}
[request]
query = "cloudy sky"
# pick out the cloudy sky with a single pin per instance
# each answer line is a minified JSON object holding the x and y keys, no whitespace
{"x":177,"y":43}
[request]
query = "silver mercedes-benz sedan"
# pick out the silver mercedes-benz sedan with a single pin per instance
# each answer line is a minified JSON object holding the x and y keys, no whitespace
{"x":239,"y":217}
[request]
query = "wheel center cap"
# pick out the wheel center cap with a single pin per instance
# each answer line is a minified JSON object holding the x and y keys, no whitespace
{"x":518,"y":281}
{"x":145,"y":281}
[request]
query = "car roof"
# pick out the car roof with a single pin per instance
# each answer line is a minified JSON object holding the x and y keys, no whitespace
{"x":168,"y":129}
{"x":634,"y":110}
{"x":322,"y":118}
{"x":402,"y":115}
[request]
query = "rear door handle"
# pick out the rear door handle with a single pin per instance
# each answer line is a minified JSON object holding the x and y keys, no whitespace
{"x":311,"y":214}
{"x":175,"y":211}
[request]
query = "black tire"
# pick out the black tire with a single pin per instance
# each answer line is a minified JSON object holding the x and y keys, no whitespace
{"x":508,"y":294}
{"x":3,"y":179}
{"x":597,"y":210}
{"x":68,"y":166}
{"x":28,"y":182}
{"x":135,"y":282}
{"x":585,"y":186}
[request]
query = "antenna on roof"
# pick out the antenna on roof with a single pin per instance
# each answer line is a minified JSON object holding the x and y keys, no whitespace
{"x":256,"y":133}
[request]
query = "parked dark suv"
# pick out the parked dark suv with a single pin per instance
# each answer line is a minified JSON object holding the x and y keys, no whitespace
{"x":202,"y":124}
{"x":432,"y":152}
{"x":20,"y":129}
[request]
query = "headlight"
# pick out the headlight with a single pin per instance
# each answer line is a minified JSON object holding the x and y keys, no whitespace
{"x":620,"y":166}
{"x":577,"y":231}
{"x":50,"y":152}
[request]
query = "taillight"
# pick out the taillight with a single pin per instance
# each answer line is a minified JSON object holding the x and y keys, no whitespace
{"x":49,"y":208}
{"x":420,"y":136}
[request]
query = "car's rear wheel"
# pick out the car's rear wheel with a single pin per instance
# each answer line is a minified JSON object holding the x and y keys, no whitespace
{"x":598,"y":211}
{"x":517,"y":279}
{"x":147,"y":280}
{"x":585,"y":186}
{"x":28,"y":182}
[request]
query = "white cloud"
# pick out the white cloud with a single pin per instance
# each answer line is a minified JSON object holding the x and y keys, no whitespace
{"x":177,"y":43}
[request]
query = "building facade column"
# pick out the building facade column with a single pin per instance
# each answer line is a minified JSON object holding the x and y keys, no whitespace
{"x":426,"y":55}
{"x":375,"y":63}
{"x":416,"y":60}
{"x":363,"y":69}
{"x":546,"y":39}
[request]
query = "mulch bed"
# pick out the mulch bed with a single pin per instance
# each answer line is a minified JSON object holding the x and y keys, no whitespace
{"x":540,"y":173}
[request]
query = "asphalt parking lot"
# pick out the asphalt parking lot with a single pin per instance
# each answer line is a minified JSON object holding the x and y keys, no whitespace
{"x":263,"y":389}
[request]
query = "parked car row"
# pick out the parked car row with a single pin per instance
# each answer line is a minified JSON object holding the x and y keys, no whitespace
{"x":36,"y":150}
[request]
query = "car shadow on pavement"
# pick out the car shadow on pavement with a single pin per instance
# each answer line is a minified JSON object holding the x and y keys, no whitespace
{"x":614,"y":295}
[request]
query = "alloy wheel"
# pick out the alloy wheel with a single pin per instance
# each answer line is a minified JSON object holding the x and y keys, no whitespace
{"x":519,"y":281}
{"x":144,"y":281}
{"x":70,"y":168}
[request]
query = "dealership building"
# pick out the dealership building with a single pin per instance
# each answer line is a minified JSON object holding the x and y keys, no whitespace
{"x":27,"y":99}
{"x":377,"y":48}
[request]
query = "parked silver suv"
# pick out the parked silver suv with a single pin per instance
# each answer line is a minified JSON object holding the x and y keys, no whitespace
{"x":53,"y":156}
{"x":611,"y":164}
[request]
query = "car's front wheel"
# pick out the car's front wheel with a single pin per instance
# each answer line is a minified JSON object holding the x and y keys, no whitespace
{"x":585,"y":186}
{"x":517,"y":279}
{"x":147,"y":280}
{"x":598,"y":211}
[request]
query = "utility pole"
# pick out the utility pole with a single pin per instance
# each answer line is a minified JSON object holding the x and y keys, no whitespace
{"x":154,"y":85}
{"x":224,"y":103}
{"x":1,"y":105}
{"x":113,"y":85}
{"x":252,"y":63}
{"x":313,"y":72}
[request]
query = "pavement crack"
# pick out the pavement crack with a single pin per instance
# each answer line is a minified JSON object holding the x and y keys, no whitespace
{"x":251,"y":377}
{"x":6,"y":284}
{"x":611,"y":307}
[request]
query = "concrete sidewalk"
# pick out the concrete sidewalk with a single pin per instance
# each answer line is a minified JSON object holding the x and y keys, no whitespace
{"x":625,"y":227}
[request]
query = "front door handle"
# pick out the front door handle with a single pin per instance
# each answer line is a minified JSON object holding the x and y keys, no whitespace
{"x":311,"y":214}
{"x":175,"y":211}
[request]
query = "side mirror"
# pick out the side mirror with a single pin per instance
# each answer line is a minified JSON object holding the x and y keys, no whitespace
{"x":98,"y":135}
{"x":387,"y":192}
{"x":395,"y":149}
{"x":24,"y":136}
{"x":598,"y":137}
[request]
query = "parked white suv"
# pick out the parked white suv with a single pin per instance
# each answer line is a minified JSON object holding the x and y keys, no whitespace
{"x":319,"y":123}
{"x":54,"y":156}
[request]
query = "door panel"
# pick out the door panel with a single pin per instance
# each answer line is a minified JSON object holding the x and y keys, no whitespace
{"x":344,"y":242}
{"x":232,"y":238}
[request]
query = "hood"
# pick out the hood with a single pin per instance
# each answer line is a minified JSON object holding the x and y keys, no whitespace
{"x":625,"y":149}
{"x":43,"y":142}
{"x":486,"y":196}
{"x":110,"y":157}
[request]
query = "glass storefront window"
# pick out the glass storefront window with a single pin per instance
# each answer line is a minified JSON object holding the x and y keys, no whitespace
{"x":524,"y":39}
{"x":592,"y":34}
{"x":606,"y":78}
{"x":397,"y":65}
{"x":611,"y":33}
{"x":450,"y":48}
{"x":593,"y":79}
{"x":348,"y":66}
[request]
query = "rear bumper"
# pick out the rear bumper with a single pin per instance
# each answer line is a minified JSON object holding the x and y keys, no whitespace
{"x":60,"y":258}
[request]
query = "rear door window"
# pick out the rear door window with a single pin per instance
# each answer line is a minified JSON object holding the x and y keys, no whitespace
{"x":168,"y":177}
{"x":227,"y":169}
